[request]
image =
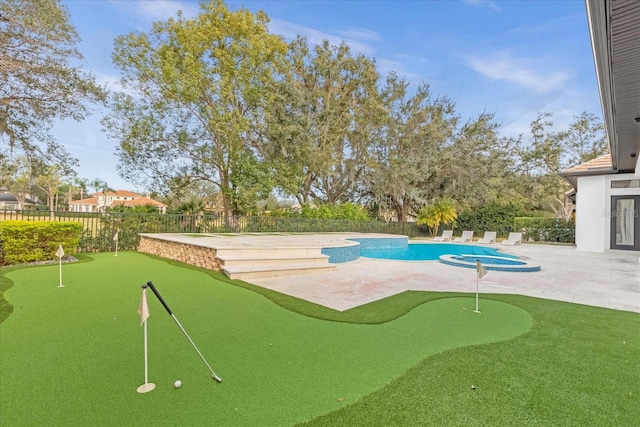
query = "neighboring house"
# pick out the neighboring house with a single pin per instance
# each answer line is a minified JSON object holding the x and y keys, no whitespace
{"x":608,"y":188}
{"x":9,"y":202}
{"x":99,"y":201}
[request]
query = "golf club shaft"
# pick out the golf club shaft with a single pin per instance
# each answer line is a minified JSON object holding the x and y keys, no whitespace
{"x":215,"y":377}
{"x":155,"y":291}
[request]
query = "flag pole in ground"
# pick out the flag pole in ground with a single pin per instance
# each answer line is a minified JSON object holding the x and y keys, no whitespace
{"x":481,"y":271}
{"x":155,"y":291}
{"x":115,"y":239}
{"x":143,"y":311}
{"x":60,"y":254}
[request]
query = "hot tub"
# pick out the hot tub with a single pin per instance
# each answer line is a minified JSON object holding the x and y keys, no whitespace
{"x":495,"y":263}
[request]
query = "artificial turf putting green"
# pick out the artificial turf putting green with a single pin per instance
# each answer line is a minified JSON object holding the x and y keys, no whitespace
{"x":73,"y":355}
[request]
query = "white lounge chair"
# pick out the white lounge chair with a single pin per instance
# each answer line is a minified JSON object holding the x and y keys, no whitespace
{"x":489,"y":237}
{"x":446,"y":235}
{"x":513,"y":239}
{"x":467,"y":236}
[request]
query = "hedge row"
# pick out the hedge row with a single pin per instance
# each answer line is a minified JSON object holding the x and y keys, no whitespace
{"x":29,"y":241}
{"x":546,"y":229}
{"x":491,"y":217}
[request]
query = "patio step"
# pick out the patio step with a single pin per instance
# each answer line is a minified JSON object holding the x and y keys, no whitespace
{"x":248,"y":263}
{"x":270,"y":260}
{"x":251,"y":272}
{"x":268,"y":253}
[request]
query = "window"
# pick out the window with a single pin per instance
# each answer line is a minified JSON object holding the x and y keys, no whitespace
{"x":629,"y":183}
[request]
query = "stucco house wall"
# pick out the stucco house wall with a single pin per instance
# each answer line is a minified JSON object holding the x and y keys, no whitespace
{"x":593,"y":210}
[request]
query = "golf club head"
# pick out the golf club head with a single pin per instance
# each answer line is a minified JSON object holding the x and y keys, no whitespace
{"x":217,"y":378}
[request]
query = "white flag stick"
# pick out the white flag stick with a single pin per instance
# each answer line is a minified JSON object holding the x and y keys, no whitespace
{"x":477,"y":292}
{"x":143,"y":311}
{"x":480,"y":272}
{"x":115,"y":239}
{"x":60,"y":254}
{"x":60,"y":267}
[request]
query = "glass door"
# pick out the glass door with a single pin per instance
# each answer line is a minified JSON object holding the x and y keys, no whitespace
{"x":625,"y":222}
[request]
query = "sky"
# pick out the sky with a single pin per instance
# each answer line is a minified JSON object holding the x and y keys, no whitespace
{"x":511,"y":58}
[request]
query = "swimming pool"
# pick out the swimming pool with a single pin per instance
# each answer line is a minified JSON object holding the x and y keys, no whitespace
{"x":430,"y":251}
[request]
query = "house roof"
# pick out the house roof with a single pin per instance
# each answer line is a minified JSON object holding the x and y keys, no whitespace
{"x":602,"y":163}
{"x":614,"y":26}
{"x":8,"y":197}
{"x":118,"y":193}
{"x":89,"y":201}
{"x":598,"y":166}
{"x":139,"y":202}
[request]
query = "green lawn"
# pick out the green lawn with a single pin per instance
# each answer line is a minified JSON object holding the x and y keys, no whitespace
{"x":73,"y":356}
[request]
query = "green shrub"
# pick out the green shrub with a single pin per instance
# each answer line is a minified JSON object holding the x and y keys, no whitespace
{"x":491,"y":217}
{"x":28,"y":241}
{"x":346,"y":210}
{"x":547,"y":229}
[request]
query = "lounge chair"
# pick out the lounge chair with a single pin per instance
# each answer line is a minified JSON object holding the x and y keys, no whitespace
{"x":513,"y":239}
{"x":446,"y":235}
{"x":467,"y":236}
{"x":489,"y":237}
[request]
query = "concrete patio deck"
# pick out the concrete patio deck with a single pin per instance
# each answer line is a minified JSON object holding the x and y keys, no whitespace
{"x":610,"y":279}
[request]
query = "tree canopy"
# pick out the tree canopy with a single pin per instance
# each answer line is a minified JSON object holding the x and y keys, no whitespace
{"x":41,"y":78}
{"x":200,"y":87}
{"x":217,"y":99}
{"x":540,"y":158}
{"x":407,"y":153}
{"x":320,"y":124}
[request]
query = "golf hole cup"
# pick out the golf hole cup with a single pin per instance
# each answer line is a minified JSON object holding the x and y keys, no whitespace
{"x":177,"y":384}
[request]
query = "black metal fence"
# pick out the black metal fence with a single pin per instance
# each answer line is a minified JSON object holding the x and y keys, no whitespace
{"x":99,"y":229}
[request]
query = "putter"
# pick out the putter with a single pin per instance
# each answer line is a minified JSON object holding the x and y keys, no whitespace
{"x":155,"y":291}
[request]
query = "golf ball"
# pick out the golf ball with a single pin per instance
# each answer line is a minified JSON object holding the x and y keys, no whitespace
{"x":177,"y":384}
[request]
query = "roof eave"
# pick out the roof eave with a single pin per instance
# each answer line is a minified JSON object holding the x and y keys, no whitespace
{"x":572,"y":177}
{"x":598,"y":13}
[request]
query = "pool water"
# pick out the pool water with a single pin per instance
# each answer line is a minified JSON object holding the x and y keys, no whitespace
{"x":487,"y":260}
{"x":430,"y":251}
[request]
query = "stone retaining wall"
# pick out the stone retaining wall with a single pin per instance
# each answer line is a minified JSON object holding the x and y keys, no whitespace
{"x":189,"y":254}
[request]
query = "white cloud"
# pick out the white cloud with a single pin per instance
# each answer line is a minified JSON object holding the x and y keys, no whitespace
{"x":161,"y":9}
{"x":289,"y":31}
{"x":112,"y":83}
{"x":518,"y":120}
{"x":156,"y":10}
{"x":483,"y":3}
{"x":361,"y":34}
{"x":385,"y":66}
{"x":521,"y":71}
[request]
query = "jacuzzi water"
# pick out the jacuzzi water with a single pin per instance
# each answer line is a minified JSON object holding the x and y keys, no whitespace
{"x":496,"y":263}
{"x":488,"y":260}
{"x":430,"y":251}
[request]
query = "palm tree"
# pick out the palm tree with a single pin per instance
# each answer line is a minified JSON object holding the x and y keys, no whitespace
{"x":101,"y":186}
{"x":442,"y":210}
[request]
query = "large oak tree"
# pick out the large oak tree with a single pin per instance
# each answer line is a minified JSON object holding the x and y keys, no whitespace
{"x":41,"y":79}
{"x":407,"y":153}
{"x":322,"y":122}
{"x":198,"y":89}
